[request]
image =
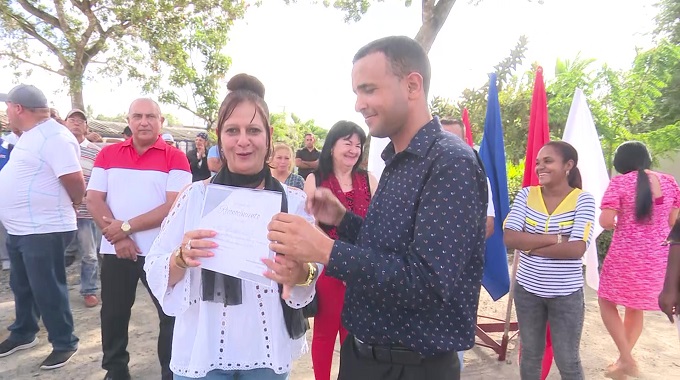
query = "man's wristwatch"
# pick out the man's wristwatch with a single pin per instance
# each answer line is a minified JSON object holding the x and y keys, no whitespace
{"x":311,"y":275}
{"x":179,"y":258}
{"x":125,"y":227}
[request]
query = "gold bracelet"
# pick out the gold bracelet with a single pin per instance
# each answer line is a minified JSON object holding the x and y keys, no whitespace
{"x":179,"y":259}
{"x":310,"y":275}
{"x":559,"y":238}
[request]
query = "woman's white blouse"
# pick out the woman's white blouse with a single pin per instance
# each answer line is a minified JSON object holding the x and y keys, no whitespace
{"x":208,"y":335}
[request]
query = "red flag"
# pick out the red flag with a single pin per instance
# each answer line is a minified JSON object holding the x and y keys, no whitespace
{"x":539,"y":135}
{"x":468,"y":127}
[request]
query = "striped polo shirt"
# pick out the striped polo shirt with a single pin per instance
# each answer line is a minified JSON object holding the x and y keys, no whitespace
{"x":88,"y":153}
{"x":136,"y":184}
{"x":574,"y":217}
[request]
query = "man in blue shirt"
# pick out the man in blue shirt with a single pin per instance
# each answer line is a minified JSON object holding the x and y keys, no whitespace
{"x":413,"y":267}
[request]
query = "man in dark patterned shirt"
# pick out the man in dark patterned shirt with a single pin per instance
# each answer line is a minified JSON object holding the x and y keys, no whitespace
{"x":414,"y":268}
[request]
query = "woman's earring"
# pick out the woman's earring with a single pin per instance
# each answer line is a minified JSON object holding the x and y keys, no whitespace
{"x":567,"y":173}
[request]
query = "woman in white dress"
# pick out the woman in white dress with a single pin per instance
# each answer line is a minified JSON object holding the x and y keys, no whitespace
{"x":226,"y":328}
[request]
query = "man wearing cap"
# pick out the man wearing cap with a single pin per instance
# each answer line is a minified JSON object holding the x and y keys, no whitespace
{"x":40,"y":188}
{"x":168,"y":139}
{"x":133,"y":185}
{"x":85,"y":243}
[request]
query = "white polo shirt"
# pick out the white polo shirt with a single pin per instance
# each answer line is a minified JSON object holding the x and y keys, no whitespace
{"x":32,"y":198}
{"x":490,"y":211}
{"x":135,"y":184}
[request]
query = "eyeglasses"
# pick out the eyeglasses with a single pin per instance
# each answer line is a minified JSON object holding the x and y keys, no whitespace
{"x":76,"y":120}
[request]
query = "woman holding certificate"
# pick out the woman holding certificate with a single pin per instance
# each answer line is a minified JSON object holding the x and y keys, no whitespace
{"x":233,"y":326}
{"x":338,"y":171}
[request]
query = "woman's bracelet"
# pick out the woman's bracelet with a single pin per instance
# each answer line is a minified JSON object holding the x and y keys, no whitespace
{"x":179,"y":259}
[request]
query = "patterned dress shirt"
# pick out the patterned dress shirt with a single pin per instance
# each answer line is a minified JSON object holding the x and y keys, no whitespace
{"x":414,"y":276}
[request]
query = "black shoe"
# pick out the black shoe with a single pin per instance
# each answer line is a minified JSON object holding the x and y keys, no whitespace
{"x":8,"y":347}
{"x":117,"y":376}
{"x":57,"y":359}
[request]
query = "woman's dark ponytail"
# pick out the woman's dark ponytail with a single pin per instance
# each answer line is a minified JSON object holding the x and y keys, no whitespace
{"x":634,"y":156}
{"x":643,"y":196}
{"x":574,"y":178}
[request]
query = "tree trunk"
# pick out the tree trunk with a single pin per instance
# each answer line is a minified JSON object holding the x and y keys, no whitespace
{"x":75,"y":81}
{"x":434,"y":17}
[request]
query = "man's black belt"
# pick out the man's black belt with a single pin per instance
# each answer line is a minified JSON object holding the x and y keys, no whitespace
{"x":387,"y":354}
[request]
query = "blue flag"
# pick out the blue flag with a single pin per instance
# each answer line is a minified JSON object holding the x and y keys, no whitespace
{"x":496,"y":278}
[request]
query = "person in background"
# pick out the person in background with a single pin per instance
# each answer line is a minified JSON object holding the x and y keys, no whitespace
{"x":458,"y":128}
{"x":5,"y":151}
{"x":41,"y":186}
{"x":132,"y":188}
{"x":282,"y":165}
{"x":198,"y":158}
{"x":84,"y":245}
{"x":307,"y":158}
{"x":214,"y":159}
{"x":640,"y":205}
{"x":167,"y":137}
{"x":669,"y":298}
{"x":127,"y":133}
{"x":551,"y":225}
{"x":338,"y":171}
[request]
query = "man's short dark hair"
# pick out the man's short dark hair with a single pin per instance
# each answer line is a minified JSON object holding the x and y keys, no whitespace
{"x":404,"y":54}
{"x":453,"y":122}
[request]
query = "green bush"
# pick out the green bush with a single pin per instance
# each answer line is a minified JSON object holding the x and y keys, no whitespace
{"x":515,"y":177}
{"x":603,"y":242}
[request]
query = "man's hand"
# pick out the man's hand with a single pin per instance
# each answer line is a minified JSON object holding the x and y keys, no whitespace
{"x":669,"y":303}
{"x":295,"y":237}
{"x":127,"y":249}
{"x":113,"y":232}
{"x":326,"y":207}
{"x":286,"y":272}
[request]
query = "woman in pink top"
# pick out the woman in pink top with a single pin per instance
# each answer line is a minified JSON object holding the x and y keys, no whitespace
{"x":640,"y":206}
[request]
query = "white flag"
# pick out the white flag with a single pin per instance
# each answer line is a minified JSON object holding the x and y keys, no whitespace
{"x":580,"y":132}
{"x":376,"y":165}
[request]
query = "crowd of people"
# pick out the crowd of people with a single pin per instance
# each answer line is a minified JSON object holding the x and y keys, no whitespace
{"x":393,"y":267}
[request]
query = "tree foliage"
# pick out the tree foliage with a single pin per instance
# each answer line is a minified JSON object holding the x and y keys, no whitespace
{"x":624,"y":103}
{"x":134,"y":37}
{"x":290,"y":129}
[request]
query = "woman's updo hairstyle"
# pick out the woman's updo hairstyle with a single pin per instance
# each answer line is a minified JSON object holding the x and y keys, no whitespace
{"x":244,"y":88}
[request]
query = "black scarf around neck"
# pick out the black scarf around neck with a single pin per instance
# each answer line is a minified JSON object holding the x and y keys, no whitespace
{"x":225,"y":289}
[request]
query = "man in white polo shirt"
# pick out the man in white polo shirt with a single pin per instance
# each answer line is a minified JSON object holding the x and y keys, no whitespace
{"x":458,"y":128}
{"x":39,"y":189}
{"x":132,"y":187}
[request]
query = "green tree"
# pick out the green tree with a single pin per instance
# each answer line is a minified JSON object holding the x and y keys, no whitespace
{"x":290,"y":129}
{"x":137,"y":37}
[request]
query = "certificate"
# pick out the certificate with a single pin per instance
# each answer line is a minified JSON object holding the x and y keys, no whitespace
{"x":240,"y":217}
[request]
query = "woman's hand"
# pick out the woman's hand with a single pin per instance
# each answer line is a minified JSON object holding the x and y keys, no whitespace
{"x":287,"y":272}
{"x":194,"y":246}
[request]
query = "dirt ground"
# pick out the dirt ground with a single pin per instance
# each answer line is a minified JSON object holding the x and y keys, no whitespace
{"x":658,"y":350}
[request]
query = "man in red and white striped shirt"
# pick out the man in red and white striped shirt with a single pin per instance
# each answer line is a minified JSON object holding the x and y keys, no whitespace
{"x":133,"y":185}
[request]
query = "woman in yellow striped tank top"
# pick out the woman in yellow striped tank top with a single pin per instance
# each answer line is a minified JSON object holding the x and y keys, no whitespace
{"x":551,"y":226}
